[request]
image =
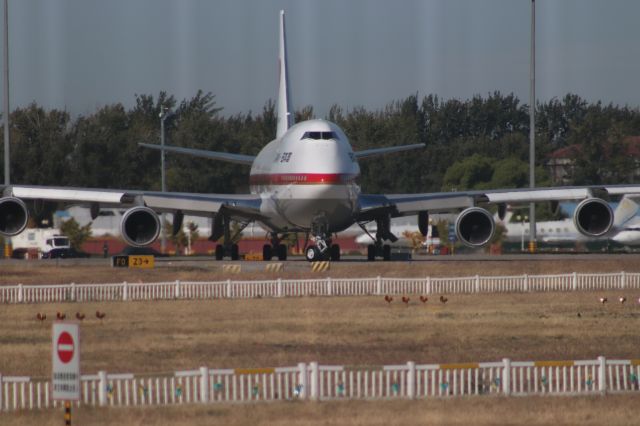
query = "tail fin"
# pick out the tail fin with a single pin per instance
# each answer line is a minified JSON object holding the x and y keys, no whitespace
{"x":627,"y":208}
{"x":284,"y":114}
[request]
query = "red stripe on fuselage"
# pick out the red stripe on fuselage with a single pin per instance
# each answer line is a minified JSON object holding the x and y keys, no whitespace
{"x":302,"y":179}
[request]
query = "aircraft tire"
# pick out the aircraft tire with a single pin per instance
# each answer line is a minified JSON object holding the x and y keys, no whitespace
{"x":335,"y":252}
{"x":386,"y":252}
{"x":371,"y":253}
{"x":312,"y":253}
{"x":282,"y":252}
{"x":219,"y":252}
{"x":267,"y":252}
{"x":235,"y":252}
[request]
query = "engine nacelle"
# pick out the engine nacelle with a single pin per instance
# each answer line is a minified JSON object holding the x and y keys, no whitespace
{"x":593,"y":217}
{"x":140,"y":226}
{"x":475,"y":227}
{"x":13,"y":216}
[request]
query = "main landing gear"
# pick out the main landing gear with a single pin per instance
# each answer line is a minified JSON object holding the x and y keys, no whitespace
{"x":383,"y":233}
{"x":275,"y":248}
{"x":222,"y":227}
{"x":378,"y":250}
{"x":232,"y":251}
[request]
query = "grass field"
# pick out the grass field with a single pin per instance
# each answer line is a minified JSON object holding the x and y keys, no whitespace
{"x":52,"y":272}
{"x":174,"y":335}
{"x":611,"y":410}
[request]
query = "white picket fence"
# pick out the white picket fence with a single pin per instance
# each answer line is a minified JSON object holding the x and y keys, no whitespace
{"x":316,"y":287}
{"x":320,"y":383}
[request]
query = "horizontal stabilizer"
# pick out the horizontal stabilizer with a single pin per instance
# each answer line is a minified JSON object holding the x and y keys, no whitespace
{"x":381,"y":151}
{"x":215,"y":155}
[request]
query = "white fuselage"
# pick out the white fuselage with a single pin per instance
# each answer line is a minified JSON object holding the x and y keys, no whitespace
{"x":308,"y":175}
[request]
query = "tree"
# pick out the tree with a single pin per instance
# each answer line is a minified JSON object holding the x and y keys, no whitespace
{"x":77,"y":234}
{"x":470,"y":173}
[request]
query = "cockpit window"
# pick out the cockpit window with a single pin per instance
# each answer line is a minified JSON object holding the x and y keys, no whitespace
{"x":319,"y":135}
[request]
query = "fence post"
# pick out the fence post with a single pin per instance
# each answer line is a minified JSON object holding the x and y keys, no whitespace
{"x":575,"y":281}
{"x":303,"y":381}
{"x":314,"y":382}
{"x":411,"y":380}
{"x":204,"y":385}
{"x":526,"y":283}
{"x":125,"y":291}
{"x":1,"y":396}
{"x":602,"y":374}
{"x":477,"y":283}
{"x":428,"y":285}
{"x":329,"y":289}
{"x":623,"y":280}
{"x":177,"y":290}
{"x":102,"y":388}
{"x":378,"y":285}
{"x":506,"y":377}
{"x":20,"y":294}
{"x":229,"y":290}
{"x":279,"y":289}
{"x":73,"y":292}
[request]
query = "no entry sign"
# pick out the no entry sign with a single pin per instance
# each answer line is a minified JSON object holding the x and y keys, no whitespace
{"x":65,"y":347}
{"x":66,"y":361}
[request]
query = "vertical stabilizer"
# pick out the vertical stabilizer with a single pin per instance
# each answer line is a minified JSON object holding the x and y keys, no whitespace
{"x":285,"y":118}
{"x":627,"y":208}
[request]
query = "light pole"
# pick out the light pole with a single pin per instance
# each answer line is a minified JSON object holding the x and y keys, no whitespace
{"x":7,"y":240}
{"x":532,"y":129}
{"x":6,"y":91}
{"x":164,"y":114}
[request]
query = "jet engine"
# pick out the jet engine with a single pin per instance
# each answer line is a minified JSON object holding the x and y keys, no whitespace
{"x":13,"y":216}
{"x":593,"y":217}
{"x":140,"y":226}
{"x":475,"y":226}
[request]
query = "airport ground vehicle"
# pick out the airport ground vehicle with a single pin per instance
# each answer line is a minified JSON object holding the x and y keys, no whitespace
{"x":63,"y":253}
{"x":38,"y":242}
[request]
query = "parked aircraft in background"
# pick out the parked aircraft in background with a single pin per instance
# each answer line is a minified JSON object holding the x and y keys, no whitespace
{"x":626,"y":229}
{"x":305,"y":181}
{"x":625,"y":223}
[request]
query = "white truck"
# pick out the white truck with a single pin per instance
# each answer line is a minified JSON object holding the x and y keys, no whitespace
{"x":33,"y":243}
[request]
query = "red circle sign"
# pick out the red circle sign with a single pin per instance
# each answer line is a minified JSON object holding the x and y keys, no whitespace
{"x":65,"y":347}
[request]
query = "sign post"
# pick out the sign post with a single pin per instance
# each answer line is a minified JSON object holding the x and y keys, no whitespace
{"x":66,"y":361}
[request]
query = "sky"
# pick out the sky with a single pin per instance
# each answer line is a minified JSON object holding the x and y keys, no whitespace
{"x":80,"y":55}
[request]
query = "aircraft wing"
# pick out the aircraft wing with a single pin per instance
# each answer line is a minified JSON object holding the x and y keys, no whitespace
{"x":386,"y":150}
{"x":240,"y":205}
{"x":410,"y":204}
{"x":246,"y":160}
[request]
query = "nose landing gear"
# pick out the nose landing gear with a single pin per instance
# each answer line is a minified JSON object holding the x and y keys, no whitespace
{"x":331,"y":252}
{"x":322,"y":249}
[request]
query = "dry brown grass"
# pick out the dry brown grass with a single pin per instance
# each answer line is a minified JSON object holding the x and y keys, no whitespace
{"x":610,"y":410}
{"x":162,"y":336}
{"x":39,"y":272}
{"x":165,"y":336}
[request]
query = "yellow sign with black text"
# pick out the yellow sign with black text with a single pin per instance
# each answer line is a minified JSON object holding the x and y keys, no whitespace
{"x":134,"y":261}
{"x":141,"y":261}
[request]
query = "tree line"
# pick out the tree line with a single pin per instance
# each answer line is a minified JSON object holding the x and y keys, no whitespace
{"x":476,"y":143}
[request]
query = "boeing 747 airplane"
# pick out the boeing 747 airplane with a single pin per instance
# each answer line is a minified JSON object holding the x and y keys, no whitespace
{"x":305,"y":180}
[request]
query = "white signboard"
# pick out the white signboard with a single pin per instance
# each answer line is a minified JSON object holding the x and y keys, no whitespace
{"x":66,"y":361}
